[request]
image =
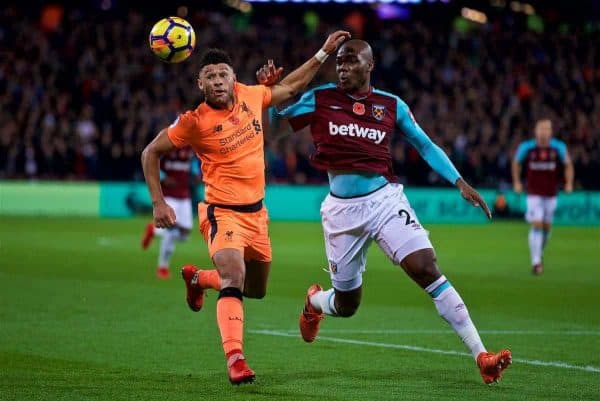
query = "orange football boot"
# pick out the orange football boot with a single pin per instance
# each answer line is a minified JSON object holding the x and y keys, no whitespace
{"x":491,"y":365}
{"x":194,"y":293}
{"x":310,"y":319}
{"x":238,"y":370}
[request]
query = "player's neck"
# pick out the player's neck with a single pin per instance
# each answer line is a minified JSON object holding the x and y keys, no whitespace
{"x":229,"y":106}
{"x":361,"y":92}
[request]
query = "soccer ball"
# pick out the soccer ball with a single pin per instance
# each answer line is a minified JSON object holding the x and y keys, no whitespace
{"x":172,"y":39}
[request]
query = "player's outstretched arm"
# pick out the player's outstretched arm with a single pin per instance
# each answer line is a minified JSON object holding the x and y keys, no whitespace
{"x":297,"y":80}
{"x":436,"y":158}
{"x":164,"y":216}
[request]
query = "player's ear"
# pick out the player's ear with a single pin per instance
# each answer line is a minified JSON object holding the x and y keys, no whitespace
{"x":371,"y":66}
{"x":200,"y":84}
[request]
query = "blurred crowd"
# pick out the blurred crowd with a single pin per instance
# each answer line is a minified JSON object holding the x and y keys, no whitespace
{"x":81,"y":94}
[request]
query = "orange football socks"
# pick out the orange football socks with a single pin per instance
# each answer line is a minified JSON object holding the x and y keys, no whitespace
{"x":230,"y":318}
{"x":209,"y":279}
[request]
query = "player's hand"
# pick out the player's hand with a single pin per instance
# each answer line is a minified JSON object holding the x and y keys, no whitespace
{"x":518,"y":187}
{"x":335,"y":40}
{"x":268,"y":74}
{"x":473,"y":197}
{"x":569,"y":187}
{"x":164,"y":215}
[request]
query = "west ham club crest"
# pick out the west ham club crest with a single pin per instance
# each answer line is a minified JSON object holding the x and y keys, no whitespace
{"x":378,"y":111}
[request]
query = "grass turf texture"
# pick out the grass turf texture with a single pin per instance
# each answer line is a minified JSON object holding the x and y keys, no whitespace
{"x":83,"y":317}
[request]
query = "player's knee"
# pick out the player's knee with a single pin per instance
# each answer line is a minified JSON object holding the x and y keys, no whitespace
{"x":231,"y":272}
{"x":427,"y":271}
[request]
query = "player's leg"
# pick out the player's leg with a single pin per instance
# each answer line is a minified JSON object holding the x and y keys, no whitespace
{"x":223,"y":231}
{"x":198,"y":280}
{"x":230,"y":312}
{"x":170,"y":237}
{"x":549,"y":209}
{"x":258,"y":254}
{"x":535,"y":217}
{"x":422,"y":268}
{"x":406,"y":243}
{"x":346,"y":245}
{"x":257,"y":278}
{"x":165,"y":251}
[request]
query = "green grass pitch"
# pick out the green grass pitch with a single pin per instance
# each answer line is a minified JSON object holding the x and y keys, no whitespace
{"x":82,"y":317}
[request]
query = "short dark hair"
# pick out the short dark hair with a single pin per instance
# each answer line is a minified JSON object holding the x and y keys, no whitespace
{"x":215,"y":56}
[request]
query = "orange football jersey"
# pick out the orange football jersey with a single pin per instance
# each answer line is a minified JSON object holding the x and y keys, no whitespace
{"x":230,"y":145}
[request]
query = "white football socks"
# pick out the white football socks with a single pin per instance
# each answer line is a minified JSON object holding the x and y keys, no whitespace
{"x":546,"y":236}
{"x":324,"y":301}
{"x":452,"y":309}
{"x":536,"y":243}
{"x":167,"y":246}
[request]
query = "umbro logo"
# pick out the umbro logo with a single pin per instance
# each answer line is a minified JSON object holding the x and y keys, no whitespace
{"x":218,"y":128}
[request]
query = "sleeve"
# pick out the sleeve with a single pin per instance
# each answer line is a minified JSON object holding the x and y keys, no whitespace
{"x":300,"y":113}
{"x":433,"y":154}
{"x":180,"y":131}
{"x":561,"y":147}
{"x":266,"y":96}
{"x":195,"y":168}
{"x":521,"y":152}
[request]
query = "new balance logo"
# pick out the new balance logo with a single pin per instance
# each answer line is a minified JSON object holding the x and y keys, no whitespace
{"x":357,"y":131}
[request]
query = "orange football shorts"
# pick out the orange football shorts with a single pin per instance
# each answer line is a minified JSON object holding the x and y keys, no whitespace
{"x":239,"y":227}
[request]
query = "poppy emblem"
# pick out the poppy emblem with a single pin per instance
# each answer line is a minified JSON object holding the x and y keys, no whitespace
{"x":358,"y":109}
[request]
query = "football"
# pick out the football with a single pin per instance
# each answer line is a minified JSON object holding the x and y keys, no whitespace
{"x":172,"y":39}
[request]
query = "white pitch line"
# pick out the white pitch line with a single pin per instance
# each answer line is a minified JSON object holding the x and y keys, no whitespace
{"x":554,"y":364}
{"x":433,"y":331}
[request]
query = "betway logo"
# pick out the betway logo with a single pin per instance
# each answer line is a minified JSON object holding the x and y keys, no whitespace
{"x":357,"y":131}
{"x":542,"y":166}
{"x":177,"y":165}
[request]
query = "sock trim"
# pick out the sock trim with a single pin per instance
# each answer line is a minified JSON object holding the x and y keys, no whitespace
{"x":439,"y":289}
{"x":231,"y":292}
{"x":331,"y":304}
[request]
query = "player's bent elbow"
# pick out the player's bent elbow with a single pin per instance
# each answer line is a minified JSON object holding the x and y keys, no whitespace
{"x":148,"y":152}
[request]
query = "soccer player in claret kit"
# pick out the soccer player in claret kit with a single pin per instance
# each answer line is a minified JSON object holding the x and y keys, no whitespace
{"x":225,"y":131}
{"x":544,"y":158}
{"x":351,"y":124}
{"x":178,"y":173}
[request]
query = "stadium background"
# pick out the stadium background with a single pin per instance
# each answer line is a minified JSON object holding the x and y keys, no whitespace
{"x":81,"y":95}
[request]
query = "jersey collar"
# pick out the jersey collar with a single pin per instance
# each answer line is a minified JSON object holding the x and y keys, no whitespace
{"x":360,"y":96}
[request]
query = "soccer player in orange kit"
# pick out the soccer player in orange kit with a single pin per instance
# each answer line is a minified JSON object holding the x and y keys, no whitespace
{"x":226,"y":132}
